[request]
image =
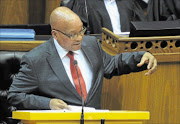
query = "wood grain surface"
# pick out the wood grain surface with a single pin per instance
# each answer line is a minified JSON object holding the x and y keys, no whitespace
{"x":158,"y":93}
{"x":14,"y":11}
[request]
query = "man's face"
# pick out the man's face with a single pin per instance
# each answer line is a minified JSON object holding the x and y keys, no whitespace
{"x":71,"y":37}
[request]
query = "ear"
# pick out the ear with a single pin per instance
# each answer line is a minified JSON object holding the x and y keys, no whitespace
{"x":54,"y":34}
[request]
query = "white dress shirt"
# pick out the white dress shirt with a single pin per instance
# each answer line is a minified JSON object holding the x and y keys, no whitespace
{"x":146,"y":1}
{"x":114,"y":15}
{"x":82,"y":63}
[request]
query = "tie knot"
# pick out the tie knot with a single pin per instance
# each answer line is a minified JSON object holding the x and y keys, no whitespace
{"x":70,"y":54}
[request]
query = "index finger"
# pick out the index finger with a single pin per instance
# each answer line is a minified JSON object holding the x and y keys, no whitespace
{"x":153,"y":69}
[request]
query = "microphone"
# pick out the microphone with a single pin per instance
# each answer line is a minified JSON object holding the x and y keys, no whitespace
{"x":82,"y":96}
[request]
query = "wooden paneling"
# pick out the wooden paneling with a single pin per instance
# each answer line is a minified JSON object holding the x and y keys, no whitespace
{"x":50,"y":6}
{"x":13,"y":11}
{"x":158,"y":93}
{"x":26,"y":11}
{"x":37,"y":11}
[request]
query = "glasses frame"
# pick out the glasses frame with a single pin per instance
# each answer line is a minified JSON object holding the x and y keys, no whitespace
{"x":73,"y":36}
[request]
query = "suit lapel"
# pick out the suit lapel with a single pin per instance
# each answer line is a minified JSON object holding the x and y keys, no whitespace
{"x":120,"y":7}
{"x":105,"y":16}
{"x":89,"y":52}
{"x":58,"y":68}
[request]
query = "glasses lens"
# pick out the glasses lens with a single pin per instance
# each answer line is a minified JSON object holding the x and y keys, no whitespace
{"x":75,"y":36}
{"x":84,"y":30}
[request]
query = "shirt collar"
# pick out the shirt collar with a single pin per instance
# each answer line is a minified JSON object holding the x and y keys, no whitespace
{"x":63,"y":52}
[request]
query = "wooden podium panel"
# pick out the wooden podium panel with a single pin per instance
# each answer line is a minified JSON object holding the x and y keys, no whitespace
{"x":55,"y":117}
{"x":158,"y":93}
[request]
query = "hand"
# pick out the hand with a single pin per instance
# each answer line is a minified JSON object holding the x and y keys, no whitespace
{"x":149,"y":59}
{"x":57,"y":104}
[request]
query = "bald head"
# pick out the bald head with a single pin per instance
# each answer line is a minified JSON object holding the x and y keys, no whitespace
{"x":66,"y":24}
{"x":63,"y":16}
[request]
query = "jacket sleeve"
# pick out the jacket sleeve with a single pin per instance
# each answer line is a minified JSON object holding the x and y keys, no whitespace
{"x":123,"y":63}
{"x":24,"y":88}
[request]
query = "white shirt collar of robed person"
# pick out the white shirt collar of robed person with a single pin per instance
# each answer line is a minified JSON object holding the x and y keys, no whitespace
{"x":146,"y":1}
{"x":82,"y":62}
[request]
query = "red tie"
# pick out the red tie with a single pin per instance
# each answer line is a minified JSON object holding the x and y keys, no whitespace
{"x":75,"y":77}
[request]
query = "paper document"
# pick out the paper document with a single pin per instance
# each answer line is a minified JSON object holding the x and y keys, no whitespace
{"x":73,"y":109}
{"x":79,"y":109}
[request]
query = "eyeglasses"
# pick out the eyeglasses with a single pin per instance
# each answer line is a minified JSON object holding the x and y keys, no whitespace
{"x":73,"y":36}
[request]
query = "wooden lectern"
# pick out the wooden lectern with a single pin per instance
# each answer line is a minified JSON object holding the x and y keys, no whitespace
{"x":55,"y":117}
{"x":158,"y":93}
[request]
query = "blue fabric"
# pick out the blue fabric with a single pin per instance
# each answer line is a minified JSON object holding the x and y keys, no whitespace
{"x":17,"y":33}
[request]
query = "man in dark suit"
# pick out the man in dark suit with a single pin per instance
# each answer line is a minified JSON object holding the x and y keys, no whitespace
{"x":45,"y":79}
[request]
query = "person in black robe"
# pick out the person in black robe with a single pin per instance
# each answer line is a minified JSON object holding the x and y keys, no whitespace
{"x":95,"y":16}
{"x":163,"y":10}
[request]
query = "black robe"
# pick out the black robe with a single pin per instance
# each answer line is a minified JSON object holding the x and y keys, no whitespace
{"x":97,"y":15}
{"x":163,"y":10}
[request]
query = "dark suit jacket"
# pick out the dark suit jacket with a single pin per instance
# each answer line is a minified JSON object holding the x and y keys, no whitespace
{"x":42,"y":75}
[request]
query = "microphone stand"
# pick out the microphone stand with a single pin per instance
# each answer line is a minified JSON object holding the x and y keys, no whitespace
{"x":82,"y":112}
